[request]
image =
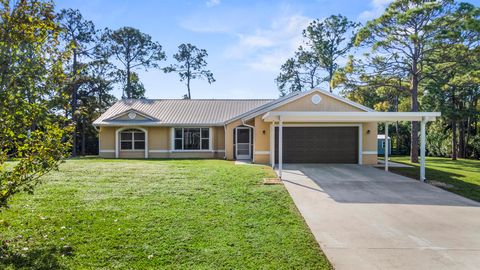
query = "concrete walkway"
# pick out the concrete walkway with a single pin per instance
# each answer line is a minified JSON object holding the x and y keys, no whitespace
{"x":366,"y":218}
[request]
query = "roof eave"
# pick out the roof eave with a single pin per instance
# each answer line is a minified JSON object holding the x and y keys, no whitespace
{"x":289,"y":116}
{"x":153,"y":124}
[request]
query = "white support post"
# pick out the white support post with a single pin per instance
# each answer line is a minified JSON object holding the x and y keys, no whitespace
{"x":422,"y":150}
{"x":385,"y":149}
{"x":272,"y":145}
{"x":280,"y":147}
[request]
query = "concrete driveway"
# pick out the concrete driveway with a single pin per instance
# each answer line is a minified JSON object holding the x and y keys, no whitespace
{"x":366,"y":218}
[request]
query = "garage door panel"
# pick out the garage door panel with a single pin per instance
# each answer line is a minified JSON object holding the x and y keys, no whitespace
{"x":319,"y":145}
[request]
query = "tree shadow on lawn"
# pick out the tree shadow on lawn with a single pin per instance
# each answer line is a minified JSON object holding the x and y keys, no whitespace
{"x":41,"y":258}
{"x":452,"y":181}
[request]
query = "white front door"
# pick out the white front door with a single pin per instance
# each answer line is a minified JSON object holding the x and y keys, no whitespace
{"x":242,"y":141}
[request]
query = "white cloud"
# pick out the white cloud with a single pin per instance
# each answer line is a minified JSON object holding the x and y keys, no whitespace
{"x":212,"y":3}
{"x":267,"y":48}
{"x":377,"y":8}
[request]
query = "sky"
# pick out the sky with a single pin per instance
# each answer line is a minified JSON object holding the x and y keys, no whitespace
{"x":247,"y":41}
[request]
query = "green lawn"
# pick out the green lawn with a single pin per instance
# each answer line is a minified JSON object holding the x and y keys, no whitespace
{"x":461,"y":176}
{"x":156,"y":214}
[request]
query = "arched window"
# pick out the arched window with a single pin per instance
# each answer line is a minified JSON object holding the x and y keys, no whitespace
{"x":132,"y":139}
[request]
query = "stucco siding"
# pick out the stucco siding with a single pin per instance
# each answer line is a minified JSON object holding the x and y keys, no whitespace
{"x":262,"y":158}
{"x":370,"y":136}
{"x":106,"y":154}
{"x":132,"y":154}
{"x":159,"y":138}
{"x":107,"y":138}
{"x":369,"y":159}
{"x":262,"y":135}
{"x":229,"y":138}
{"x":211,"y":154}
{"x":327,"y":104}
{"x":218,"y":138}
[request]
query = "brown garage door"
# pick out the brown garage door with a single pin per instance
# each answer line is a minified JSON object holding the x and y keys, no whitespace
{"x":318,"y":144}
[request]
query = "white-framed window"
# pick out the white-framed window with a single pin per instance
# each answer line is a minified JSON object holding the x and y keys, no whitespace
{"x":191,"y":138}
{"x":132,"y":139}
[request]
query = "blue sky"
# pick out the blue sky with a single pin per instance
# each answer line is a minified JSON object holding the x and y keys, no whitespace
{"x":247,"y":41}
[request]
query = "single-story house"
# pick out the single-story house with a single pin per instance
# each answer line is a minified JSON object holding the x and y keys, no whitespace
{"x":314,"y":127}
{"x":381,"y":144}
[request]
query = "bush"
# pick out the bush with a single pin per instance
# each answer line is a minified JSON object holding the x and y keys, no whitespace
{"x":439,"y":143}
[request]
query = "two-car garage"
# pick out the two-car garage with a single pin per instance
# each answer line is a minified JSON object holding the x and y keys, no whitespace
{"x":319,"y":144}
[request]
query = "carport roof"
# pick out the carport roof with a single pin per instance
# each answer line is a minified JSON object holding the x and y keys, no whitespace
{"x":292,"y":116}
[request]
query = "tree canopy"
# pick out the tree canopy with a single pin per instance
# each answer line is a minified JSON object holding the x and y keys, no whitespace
{"x":132,"y":49}
{"x":191,"y":64}
{"x":326,"y":42}
{"x":31,"y":75}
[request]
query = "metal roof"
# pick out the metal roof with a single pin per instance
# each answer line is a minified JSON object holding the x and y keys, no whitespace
{"x":180,"y":111}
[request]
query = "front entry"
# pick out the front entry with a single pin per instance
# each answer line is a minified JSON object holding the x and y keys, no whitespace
{"x":243,"y":140}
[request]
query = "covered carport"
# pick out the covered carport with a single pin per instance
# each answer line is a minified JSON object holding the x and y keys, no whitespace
{"x":279,"y":119}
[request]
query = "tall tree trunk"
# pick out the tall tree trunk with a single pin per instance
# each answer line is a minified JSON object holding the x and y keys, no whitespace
{"x":475,"y":117}
{"x":414,"y":137}
{"x":461,"y":139}
{"x":454,"y":139}
{"x":330,"y":77}
{"x":82,"y":152}
{"x":467,"y":139}
{"x":128,"y":88}
{"x":461,"y":132}
{"x":189,"y":75}
{"x":74,"y":103}
{"x":397,"y":132}
{"x":100,"y":101}
{"x":454,"y":127}
{"x":188,"y":88}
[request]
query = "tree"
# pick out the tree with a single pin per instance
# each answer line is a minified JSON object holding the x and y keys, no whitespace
{"x":137,"y":90}
{"x":78,"y":34}
{"x":31,"y":75}
{"x":326,"y":42}
{"x":453,"y":84}
{"x":329,"y":40}
{"x":191,"y":65}
{"x":94,"y":99}
{"x":132,"y":49}
{"x":377,"y":86}
{"x":101,"y":77}
{"x":402,"y":38}
{"x":299,"y":73}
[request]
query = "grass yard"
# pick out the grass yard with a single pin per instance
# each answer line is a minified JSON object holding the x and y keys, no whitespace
{"x":461,"y":176}
{"x":157,"y":214}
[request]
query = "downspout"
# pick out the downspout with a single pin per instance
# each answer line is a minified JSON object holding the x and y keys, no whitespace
{"x":254,"y":138}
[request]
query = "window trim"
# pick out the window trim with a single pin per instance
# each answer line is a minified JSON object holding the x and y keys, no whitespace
{"x":173,"y":139}
{"x":117,"y":140}
{"x":133,"y":140}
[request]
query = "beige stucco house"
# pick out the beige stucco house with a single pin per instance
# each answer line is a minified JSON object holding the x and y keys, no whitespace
{"x":315,"y":127}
